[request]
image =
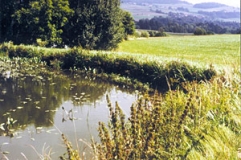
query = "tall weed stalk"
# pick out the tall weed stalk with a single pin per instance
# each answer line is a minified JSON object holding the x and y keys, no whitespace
{"x":203,"y":123}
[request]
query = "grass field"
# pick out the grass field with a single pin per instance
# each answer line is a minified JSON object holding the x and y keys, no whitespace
{"x":214,"y":49}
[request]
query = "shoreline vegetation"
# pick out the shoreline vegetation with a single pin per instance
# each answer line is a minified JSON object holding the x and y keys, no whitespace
{"x":196,"y":116}
{"x":135,"y":68}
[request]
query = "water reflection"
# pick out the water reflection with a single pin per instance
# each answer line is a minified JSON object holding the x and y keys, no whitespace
{"x":27,"y":99}
{"x":30,"y":104}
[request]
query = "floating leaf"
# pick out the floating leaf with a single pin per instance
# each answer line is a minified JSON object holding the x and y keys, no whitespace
{"x":5,"y":114}
{"x":1,"y":127}
{"x":29,"y":99}
{"x":37,"y":102}
{"x":15,"y":121}
{"x":18,"y":137}
{"x":24,"y":102}
{"x":49,"y":131}
{"x":5,"y":152}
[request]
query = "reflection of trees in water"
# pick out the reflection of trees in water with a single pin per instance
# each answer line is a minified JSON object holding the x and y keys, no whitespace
{"x":33,"y":100}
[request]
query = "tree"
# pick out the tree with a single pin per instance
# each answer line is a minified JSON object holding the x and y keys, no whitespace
{"x":200,"y":31}
{"x":43,"y":19}
{"x":92,"y":24}
{"x":7,"y":8}
{"x":96,"y":24}
{"x":128,"y":24}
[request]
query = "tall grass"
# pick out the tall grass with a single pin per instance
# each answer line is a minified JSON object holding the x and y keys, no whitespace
{"x":204,"y":123}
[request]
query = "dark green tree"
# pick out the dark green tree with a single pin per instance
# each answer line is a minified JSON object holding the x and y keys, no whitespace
{"x":200,"y":31}
{"x":96,"y":24}
{"x":128,"y":24}
{"x":43,"y":19}
{"x":92,"y":24}
{"x":7,"y":8}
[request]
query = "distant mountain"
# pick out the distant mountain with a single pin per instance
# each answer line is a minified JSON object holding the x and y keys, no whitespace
{"x":208,"y":5}
{"x":154,"y":1}
{"x":147,"y":9}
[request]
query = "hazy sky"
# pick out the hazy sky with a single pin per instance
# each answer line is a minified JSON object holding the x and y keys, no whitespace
{"x":235,"y":3}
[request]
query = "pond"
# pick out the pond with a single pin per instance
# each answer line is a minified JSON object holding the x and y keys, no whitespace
{"x":37,"y":105}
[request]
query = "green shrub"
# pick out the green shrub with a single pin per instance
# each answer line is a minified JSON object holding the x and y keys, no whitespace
{"x":157,"y":34}
{"x":200,"y":31}
{"x":137,"y":34}
{"x":144,"y":34}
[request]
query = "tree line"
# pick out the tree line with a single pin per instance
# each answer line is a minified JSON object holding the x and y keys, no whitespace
{"x":181,"y":23}
{"x":92,"y":24}
{"x":221,"y":14}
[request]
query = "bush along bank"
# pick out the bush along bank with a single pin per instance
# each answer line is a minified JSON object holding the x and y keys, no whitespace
{"x":158,"y":75}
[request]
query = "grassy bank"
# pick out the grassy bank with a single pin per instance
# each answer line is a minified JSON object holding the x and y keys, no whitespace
{"x":146,"y":69}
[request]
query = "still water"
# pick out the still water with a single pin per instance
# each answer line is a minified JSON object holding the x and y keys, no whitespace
{"x":35,"y":108}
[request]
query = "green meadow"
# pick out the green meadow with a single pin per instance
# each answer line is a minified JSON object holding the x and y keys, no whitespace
{"x":213,"y":49}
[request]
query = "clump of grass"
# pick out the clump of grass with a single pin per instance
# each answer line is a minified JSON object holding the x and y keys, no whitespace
{"x":203,"y":123}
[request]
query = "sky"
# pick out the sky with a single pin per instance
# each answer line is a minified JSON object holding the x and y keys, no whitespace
{"x":235,"y":3}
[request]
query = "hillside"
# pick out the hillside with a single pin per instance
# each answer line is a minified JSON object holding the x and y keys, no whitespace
{"x":142,"y":9}
{"x":154,"y":1}
{"x":208,"y":5}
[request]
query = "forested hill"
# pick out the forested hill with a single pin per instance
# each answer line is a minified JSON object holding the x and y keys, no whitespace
{"x":208,"y":5}
{"x":182,"y":17}
{"x":148,"y":9}
{"x":179,"y":23}
{"x":154,"y":1}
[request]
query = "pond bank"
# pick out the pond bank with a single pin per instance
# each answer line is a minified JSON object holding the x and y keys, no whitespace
{"x":135,"y":68}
